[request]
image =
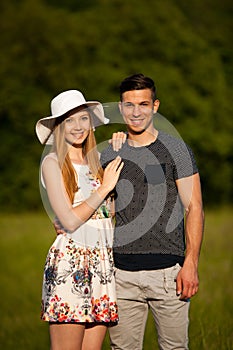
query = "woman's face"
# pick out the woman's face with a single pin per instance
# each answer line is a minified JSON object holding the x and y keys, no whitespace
{"x":77,"y":127}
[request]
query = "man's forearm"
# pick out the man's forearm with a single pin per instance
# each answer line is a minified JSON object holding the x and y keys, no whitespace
{"x":194,"y":225}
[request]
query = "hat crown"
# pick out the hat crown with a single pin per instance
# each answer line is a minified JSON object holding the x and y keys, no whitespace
{"x":67,"y":101}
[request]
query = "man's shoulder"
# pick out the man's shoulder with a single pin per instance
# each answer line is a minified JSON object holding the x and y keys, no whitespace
{"x":175,"y":144}
{"x":181,"y":154}
{"x":170,"y":139}
{"x":107,"y":154}
{"x":107,"y":151}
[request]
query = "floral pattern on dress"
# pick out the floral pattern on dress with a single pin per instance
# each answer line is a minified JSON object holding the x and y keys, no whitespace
{"x":101,"y":311}
{"x":104,"y":209}
{"x":81,"y":266}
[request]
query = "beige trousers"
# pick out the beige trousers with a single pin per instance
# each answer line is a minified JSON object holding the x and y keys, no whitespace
{"x":138,"y":291}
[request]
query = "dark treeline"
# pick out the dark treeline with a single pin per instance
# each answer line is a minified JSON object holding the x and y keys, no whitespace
{"x":48,"y":46}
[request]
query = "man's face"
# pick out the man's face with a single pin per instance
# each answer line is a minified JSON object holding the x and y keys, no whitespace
{"x":137,"y":108}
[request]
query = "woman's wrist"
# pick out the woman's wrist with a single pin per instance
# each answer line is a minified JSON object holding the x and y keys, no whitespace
{"x":104,"y":190}
{"x":95,"y":200}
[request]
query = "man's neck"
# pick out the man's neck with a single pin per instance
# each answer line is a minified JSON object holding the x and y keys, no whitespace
{"x":143,"y":139}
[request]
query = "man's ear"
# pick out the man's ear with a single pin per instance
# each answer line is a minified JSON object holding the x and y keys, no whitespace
{"x":121,"y":111}
{"x":156,"y":105}
{"x":120,"y":107}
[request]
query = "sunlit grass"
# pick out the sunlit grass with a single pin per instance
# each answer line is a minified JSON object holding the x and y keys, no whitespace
{"x":24,"y":242}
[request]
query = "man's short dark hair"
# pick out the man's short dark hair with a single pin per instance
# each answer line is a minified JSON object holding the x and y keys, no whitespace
{"x":138,"y":82}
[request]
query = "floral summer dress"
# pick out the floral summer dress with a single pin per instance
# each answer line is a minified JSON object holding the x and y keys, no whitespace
{"x":78,"y":283}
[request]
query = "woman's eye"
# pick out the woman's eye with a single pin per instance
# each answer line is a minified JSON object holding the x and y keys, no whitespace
{"x":68,"y":120}
{"x":85,"y":117}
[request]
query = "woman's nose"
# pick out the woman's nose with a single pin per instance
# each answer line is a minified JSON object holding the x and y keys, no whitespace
{"x":77,"y":125}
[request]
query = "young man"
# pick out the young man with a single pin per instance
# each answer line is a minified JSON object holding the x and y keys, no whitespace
{"x":156,"y":251}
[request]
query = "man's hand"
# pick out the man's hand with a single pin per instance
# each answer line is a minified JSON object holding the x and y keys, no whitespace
{"x":117,"y":140}
{"x":187,"y":281}
{"x":58,"y":227}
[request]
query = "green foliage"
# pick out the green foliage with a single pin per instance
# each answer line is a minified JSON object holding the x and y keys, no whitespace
{"x":24,"y":244}
{"x":48,"y":46}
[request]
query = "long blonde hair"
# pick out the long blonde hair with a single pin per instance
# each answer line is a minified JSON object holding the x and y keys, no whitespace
{"x":89,"y":151}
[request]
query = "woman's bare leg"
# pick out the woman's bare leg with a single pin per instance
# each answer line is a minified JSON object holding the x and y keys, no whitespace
{"x":66,"y":336}
{"x":94,"y":337}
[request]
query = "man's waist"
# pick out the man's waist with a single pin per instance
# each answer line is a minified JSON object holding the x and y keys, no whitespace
{"x":137,"y":262}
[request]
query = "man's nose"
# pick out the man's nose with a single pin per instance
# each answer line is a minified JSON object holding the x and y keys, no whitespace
{"x":136,"y":111}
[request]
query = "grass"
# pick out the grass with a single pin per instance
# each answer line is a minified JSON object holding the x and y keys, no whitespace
{"x":24,"y":242}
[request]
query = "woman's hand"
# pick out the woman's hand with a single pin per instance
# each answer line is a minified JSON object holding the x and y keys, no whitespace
{"x":112,"y":173}
{"x":117,"y":140}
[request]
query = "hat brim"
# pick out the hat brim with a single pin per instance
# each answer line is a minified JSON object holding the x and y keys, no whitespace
{"x":45,"y":126}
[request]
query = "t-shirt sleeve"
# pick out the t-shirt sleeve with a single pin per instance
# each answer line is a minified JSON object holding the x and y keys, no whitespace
{"x":184,"y":161}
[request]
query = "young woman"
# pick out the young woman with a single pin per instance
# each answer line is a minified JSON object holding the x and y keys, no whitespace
{"x":78,"y":299}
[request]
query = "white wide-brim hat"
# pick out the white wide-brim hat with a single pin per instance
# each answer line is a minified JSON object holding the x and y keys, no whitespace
{"x":60,"y":105}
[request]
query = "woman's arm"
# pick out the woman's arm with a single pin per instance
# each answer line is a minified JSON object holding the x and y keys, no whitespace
{"x":73,"y":217}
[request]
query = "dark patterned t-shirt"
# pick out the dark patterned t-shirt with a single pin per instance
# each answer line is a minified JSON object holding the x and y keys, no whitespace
{"x":149,"y":232}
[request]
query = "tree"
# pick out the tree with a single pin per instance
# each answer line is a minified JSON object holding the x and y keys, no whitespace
{"x":48,"y":47}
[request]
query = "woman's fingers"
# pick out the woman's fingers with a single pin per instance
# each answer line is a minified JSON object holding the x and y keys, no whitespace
{"x":112,"y":172}
{"x":114,"y":163}
{"x":117,"y":140}
{"x":119,"y":168}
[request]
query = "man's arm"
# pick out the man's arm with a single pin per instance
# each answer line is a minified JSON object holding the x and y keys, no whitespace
{"x":190,"y":193}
